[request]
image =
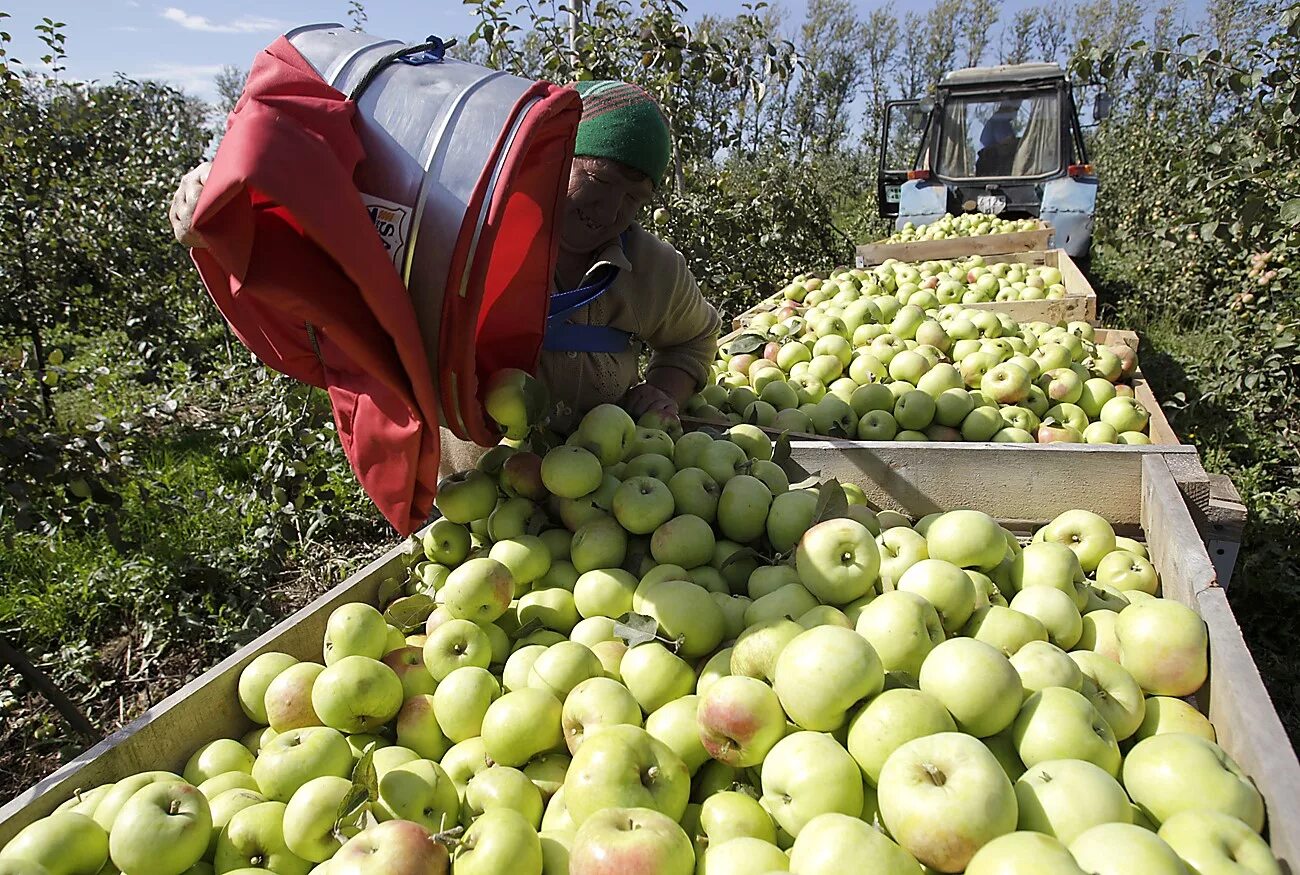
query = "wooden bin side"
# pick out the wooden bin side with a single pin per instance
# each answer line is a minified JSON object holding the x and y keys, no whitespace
{"x":871,"y":254}
{"x":1235,"y":698}
{"x":205,"y":709}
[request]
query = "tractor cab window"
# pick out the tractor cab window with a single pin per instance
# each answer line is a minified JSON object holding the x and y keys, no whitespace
{"x":983,"y":137}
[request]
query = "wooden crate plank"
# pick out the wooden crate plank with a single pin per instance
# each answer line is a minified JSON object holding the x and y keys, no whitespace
{"x":871,"y":254}
{"x":203,"y":710}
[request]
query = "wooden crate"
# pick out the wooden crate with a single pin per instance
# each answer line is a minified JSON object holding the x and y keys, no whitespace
{"x":1134,"y":491}
{"x":1078,"y":305}
{"x":871,"y":254}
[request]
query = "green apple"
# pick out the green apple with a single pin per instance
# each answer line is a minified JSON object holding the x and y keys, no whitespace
{"x":642,"y":504}
{"x":479,"y":590}
{"x":521,"y":476}
{"x":454,"y":644}
{"x":1165,"y":647}
{"x":288,"y":702}
{"x":1047,"y":563}
{"x":1213,"y":843}
{"x":254,"y":838}
{"x":607,"y":430}
{"x":600,"y":543}
{"x":604,"y":593}
{"x":1006,"y":383}
{"x":982,"y":423}
{"x":556,"y":817}
{"x":446,"y":543}
{"x":650,"y":440}
{"x":1005,"y":629}
{"x":65,"y":843}
{"x":1042,"y":664}
{"x":418,"y":730}
{"x":823,"y":615}
{"x":254,"y":680}
{"x":684,"y":612}
{"x":521,"y":724}
{"x":210,"y":788}
{"x":733,"y":608}
{"x":743,"y":507}
{"x":675,"y":725}
{"x":466,"y":496}
{"x":655,"y":675}
{"x":1122,"y":848}
{"x":1057,"y":611}
{"x":730,"y":814}
{"x":512,"y":518}
{"x":975,"y":682}
{"x":767,"y":579}
{"x":902,"y":627}
{"x":824,"y":672}
{"x":515,"y":400}
{"x":112,"y":801}
{"x":789,"y":517}
{"x":554,"y":609}
{"x":945,"y":586}
{"x":1093,"y":396}
{"x":593,"y":704}
{"x":686,"y":540}
{"x":624,"y":766}
{"x":1127,"y":572}
{"x":1066,"y":797}
{"x":1176,"y":772}
{"x":357,"y":694}
{"x":806,"y":774}
{"x":514,"y":675}
{"x":217,"y":758}
{"x":226,"y":805}
{"x":1113,"y":691}
{"x":501,"y":787}
{"x":1088,"y":534}
{"x":1099,"y":634}
{"x":1165,"y":714}
{"x":943,"y":797}
{"x":562,"y":667}
{"x":355,"y":629}
{"x":395,"y":847}
{"x":967,"y":539}
{"x":756,"y":650}
{"x":461,"y":700}
{"x":834,"y":843}
{"x":1058,"y":723}
{"x":1023,"y":853}
{"x":462,"y":761}
{"x":309,"y":818}
{"x":838,"y":560}
{"x":1125,"y":414}
{"x":631,"y":841}
{"x":791,"y":600}
{"x":571,"y":471}
{"x":695,"y":492}
{"x":525,"y":557}
{"x":889,"y":721}
{"x":739,"y":719}
{"x":547,"y":773}
{"x":742,"y":855}
{"x":293,"y":758}
{"x":408,"y":664}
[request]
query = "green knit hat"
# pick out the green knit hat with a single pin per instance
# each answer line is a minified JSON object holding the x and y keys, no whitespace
{"x":621,"y":121}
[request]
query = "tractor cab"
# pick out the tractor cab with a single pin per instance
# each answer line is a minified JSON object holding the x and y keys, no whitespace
{"x":1000,"y":140}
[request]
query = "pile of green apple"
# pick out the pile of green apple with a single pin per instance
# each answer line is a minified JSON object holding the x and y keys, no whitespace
{"x":637,"y":655}
{"x":965,"y":225}
{"x":930,"y":284}
{"x":874,"y":369}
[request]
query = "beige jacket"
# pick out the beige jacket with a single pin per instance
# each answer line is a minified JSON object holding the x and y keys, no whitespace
{"x":656,"y":299}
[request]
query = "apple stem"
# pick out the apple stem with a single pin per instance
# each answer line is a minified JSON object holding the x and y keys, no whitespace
{"x":174,"y":807}
{"x":936,"y":776}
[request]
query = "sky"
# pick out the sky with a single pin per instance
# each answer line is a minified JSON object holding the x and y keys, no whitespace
{"x":186,"y":44}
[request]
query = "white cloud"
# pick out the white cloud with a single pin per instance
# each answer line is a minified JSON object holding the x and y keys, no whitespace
{"x":242,"y":24}
{"x":196,"y":79}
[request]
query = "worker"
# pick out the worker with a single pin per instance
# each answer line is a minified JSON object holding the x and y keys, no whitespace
{"x":623,"y":290}
{"x":998,"y":141}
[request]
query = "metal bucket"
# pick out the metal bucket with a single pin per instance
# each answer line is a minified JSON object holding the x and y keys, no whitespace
{"x":464,"y":175}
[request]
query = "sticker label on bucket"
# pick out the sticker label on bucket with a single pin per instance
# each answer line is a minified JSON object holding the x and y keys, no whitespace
{"x":392,"y":222}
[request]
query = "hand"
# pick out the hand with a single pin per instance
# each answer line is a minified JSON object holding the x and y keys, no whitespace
{"x":183,"y":204}
{"x":646,"y":398}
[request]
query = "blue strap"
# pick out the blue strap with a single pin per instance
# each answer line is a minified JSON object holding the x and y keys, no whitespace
{"x":565,"y":336}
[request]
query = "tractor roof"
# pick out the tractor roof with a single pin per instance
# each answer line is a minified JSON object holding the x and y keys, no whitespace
{"x":1032,"y":72}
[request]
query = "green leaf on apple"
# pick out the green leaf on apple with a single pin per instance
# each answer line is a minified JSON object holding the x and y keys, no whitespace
{"x":635,"y":629}
{"x":832,"y":503}
{"x":742,"y":555}
{"x":533,"y":625}
{"x":409,"y":612}
{"x":745,"y":344}
{"x":781,"y":448}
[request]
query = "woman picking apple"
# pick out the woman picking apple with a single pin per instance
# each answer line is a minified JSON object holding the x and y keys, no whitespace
{"x":618,"y":289}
